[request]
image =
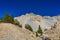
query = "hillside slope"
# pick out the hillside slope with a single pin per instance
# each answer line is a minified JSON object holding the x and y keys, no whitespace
{"x":12,"y":32}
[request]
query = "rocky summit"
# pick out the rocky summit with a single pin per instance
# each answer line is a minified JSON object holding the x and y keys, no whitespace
{"x":34,"y":21}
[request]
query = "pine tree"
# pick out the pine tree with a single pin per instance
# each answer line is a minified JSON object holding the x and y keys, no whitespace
{"x":12,"y":19}
{"x":6,"y":18}
{"x":40,"y":30}
{"x":27,"y":26}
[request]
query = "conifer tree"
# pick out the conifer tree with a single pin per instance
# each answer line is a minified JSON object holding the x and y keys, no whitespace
{"x":27,"y":26}
{"x":40,"y":30}
{"x":12,"y":19}
{"x":6,"y":18}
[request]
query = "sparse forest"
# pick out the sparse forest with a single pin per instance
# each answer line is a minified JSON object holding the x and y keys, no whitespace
{"x":9,"y":19}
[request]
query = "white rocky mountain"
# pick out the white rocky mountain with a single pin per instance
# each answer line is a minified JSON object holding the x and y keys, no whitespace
{"x":10,"y":31}
{"x":45,"y":22}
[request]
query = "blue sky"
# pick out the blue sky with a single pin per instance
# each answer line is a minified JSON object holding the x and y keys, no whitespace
{"x":19,"y":7}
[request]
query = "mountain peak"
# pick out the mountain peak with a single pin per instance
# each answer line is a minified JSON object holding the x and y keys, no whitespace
{"x":35,"y":20}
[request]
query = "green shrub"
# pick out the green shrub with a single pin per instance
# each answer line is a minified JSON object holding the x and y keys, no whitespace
{"x":27,"y":26}
{"x":17,"y":23}
{"x":36,"y":34}
{"x":20,"y":25}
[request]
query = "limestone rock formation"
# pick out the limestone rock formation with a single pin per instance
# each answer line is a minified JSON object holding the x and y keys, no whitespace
{"x":35,"y":20}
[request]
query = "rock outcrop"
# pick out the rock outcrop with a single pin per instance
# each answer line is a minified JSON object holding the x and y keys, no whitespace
{"x":54,"y":33}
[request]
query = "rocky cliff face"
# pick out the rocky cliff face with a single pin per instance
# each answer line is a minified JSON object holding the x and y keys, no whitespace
{"x":12,"y":32}
{"x":35,"y":20}
{"x":49,"y":25}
